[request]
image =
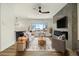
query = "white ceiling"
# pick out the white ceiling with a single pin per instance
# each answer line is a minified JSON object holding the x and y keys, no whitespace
{"x":26,"y":10}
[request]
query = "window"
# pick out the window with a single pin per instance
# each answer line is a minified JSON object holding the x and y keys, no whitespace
{"x":39,"y":26}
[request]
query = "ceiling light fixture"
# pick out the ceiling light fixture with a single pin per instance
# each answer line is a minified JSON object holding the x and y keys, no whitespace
{"x":39,"y":8}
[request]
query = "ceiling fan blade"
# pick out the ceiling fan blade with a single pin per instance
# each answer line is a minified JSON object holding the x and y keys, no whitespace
{"x":45,"y":12}
{"x":42,"y":11}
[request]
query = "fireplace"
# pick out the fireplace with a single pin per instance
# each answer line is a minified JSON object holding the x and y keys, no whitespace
{"x":59,"y":33}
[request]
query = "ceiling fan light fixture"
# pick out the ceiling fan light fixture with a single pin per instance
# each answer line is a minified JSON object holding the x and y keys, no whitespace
{"x":39,"y":9}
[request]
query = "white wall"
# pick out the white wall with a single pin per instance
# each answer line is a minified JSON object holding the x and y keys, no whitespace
{"x":7,"y":26}
{"x":0,"y":27}
{"x":25,"y":23}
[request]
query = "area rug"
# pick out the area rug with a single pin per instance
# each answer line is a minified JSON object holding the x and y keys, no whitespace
{"x":33,"y":45}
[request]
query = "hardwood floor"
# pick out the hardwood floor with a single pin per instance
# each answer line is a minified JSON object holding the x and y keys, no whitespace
{"x":11,"y":51}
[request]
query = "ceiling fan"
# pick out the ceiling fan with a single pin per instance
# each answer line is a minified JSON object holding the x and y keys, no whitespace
{"x":40,"y":10}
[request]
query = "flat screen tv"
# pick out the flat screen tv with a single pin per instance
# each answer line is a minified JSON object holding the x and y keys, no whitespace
{"x":62,"y":22}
